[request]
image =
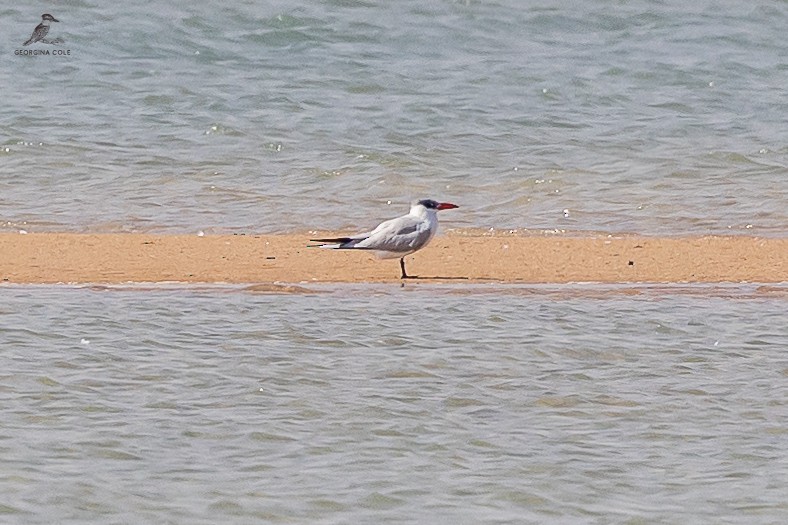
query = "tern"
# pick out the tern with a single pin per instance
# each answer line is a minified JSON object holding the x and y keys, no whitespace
{"x":396,"y":237}
{"x":41,"y":29}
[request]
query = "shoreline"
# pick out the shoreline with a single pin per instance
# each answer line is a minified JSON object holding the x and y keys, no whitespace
{"x":457,"y":257}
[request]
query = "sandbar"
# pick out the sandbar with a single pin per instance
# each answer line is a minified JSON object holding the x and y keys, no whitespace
{"x":456,"y":256}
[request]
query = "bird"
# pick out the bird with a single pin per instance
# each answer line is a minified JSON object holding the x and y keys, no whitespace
{"x":396,"y":237}
{"x":41,"y":29}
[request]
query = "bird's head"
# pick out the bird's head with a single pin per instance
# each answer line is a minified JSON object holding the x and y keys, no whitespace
{"x":49,"y":18}
{"x":435,"y":205}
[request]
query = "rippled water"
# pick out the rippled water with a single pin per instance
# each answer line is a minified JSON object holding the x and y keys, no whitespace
{"x":446,"y":405}
{"x":375,"y":404}
{"x":277,"y":116}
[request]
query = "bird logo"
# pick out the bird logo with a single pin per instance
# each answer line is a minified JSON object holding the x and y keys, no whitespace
{"x":41,"y":31}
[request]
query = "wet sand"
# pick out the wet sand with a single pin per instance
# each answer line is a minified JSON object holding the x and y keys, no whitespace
{"x":455,"y":257}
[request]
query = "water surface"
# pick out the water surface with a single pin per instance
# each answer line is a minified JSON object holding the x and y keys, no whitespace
{"x":654,"y":118}
{"x":380,"y":404}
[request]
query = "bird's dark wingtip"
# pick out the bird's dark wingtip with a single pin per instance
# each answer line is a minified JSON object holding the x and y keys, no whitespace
{"x":340,"y":240}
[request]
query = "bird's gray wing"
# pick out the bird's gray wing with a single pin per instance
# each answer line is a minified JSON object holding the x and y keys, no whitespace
{"x":397,"y":235}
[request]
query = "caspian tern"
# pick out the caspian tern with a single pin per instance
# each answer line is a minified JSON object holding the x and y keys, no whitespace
{"x":396,"y":237}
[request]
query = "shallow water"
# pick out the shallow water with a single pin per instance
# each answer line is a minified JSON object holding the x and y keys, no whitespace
{"x":375,"y":404}
{"x":655,"y":118}
{"x":380,"y":404}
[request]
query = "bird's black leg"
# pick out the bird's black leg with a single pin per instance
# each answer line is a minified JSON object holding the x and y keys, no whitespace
{"x":402,"y":265}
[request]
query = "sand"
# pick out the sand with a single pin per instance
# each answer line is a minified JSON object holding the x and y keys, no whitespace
{"x":461,"y":257}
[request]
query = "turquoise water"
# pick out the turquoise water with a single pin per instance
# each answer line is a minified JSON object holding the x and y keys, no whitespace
{"x":655,"y":118}
{"x":466,"y":405}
